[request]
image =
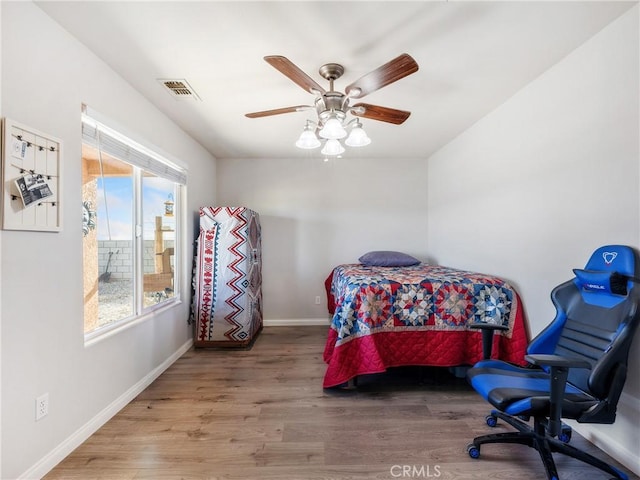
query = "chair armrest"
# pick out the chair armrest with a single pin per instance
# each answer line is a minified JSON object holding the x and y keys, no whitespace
{"x":488,"y":326}
{"x":542,"y":360}
{"x":559,"y":372}
{"x":487,"y":336}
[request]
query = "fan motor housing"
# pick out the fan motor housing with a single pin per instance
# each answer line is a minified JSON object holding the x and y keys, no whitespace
{"x":330,"y":102}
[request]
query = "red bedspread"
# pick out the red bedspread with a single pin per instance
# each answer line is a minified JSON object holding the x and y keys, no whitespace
{"x":394,"y":316}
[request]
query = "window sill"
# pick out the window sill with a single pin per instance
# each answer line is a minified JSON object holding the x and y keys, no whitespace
{"x":108,"y":331}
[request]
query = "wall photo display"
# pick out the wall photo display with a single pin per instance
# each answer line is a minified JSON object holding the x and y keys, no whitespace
{"x":31,"y":179}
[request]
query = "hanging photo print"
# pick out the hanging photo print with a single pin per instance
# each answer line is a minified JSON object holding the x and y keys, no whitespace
{"x":33,"y":188}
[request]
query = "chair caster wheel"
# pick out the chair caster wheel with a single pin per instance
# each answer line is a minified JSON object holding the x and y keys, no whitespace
{"x":565,"y":434}
{"x":491,"y":420}
{"x":473,"y":451}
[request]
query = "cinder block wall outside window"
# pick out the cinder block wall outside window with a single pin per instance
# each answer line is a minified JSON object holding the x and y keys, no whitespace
{"x":120,"y":265}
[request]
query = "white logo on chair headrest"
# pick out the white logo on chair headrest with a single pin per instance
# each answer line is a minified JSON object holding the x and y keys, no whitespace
{"x":609,"y":257}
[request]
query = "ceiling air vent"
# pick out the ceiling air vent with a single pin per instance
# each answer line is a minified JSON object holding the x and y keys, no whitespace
{"x":179,"y":88}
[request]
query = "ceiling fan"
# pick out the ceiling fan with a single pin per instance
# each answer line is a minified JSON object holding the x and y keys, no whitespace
{"x":332,"y":107}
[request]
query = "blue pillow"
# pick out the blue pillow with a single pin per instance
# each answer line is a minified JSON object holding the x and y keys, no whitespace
{"x":387,"y":258}
{"x":603,"y":282}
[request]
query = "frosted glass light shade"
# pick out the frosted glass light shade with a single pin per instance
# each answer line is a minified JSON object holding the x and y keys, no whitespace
{"x":332,"y":147}
{"x":333,"y":129}
{"x":307,"y":140}
{"x":358,"y":137}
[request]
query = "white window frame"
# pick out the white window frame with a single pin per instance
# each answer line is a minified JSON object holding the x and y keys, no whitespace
{"x":141,"y":156}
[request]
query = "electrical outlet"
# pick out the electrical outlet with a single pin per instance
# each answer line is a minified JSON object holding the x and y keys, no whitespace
{"x":42,"y":406}
{"x":318,"y":300}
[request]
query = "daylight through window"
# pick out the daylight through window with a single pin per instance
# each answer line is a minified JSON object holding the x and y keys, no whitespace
{"x":131,"y":227}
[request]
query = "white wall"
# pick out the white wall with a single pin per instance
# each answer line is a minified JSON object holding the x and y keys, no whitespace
{"x":316,"y":215}
{"x":46,"y":76}
{"x":532,"y":189}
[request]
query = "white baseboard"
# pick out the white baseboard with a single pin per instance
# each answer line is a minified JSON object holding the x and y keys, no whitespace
{"x":46,"y":464}
{"x":296,"y":322}
{"x":623,"y":453}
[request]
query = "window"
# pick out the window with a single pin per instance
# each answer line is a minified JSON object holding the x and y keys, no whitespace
{"x":131,"y":227}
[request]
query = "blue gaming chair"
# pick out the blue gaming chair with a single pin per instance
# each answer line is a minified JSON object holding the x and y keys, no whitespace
{"x":577,"y":365}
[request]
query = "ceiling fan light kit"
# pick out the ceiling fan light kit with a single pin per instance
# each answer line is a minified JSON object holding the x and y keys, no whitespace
{"x":357,"y":137}
{"x":308,"y":139}
{"x":332,"y":107}
{"x":332,"y":148}
{"x":332,"y":128}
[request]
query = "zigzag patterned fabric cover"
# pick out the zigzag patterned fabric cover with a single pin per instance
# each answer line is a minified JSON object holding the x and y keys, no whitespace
{"x":227,"y":297}
{"x":419,"y":315}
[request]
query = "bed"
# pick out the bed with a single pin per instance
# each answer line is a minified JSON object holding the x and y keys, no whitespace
{"x":390,"y":316}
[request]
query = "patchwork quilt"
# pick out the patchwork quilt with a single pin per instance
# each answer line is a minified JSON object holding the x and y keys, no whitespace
{"x":419,"y":315}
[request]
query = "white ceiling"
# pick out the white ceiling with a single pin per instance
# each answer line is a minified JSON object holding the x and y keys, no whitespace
{"x":472,"y":56}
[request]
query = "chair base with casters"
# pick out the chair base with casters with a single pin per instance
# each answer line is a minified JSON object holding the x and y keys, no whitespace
{"x":537,"y":437}
{"x":577,"y":365}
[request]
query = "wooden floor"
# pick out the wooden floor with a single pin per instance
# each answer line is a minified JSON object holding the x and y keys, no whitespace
{"x":262,"y":414}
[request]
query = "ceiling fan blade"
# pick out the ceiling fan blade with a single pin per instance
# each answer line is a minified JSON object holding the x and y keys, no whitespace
{"x":382,"y":114}
{"x":382,"y":76}
{"x":278,"y":111}
{"x":287,"y":68}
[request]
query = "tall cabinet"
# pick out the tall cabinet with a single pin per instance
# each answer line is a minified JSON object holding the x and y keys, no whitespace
{"x":227,"y":278}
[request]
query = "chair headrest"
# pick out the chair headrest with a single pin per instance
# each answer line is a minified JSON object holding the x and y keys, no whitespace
{"x":613,"y":258}
{"x":608,"y":275}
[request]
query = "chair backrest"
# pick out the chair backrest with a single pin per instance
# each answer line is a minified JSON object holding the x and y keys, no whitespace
{"x":596,"y":316}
